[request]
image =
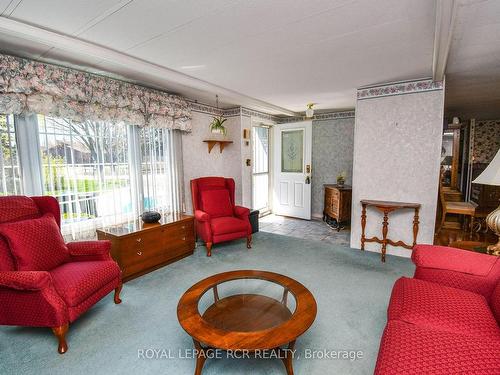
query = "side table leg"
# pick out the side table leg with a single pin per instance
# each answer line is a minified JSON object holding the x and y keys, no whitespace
{"x":415,"y":227}
{"x":287,"y":358}
{"x":385,"y":229}
{"x":200,"y":358}
{"x":363,"y":225}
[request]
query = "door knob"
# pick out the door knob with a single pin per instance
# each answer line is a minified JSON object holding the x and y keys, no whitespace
{"x":308,"y":180}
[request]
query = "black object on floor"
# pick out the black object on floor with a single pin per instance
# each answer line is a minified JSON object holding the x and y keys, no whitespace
{"x":254,"y":220}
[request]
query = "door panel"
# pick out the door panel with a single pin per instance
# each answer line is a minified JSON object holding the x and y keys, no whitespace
{"x":292,"y":167}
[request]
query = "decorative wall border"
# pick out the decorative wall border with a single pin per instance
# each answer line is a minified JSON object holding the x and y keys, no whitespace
{"x":247,"y":112}
{"x":205,"y":108}
{"x":399,"y":88}
{"x":320,"y":117}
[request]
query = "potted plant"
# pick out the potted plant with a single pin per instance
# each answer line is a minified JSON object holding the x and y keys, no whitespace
{"x":217,"y":125}
{"x":341,"y":178}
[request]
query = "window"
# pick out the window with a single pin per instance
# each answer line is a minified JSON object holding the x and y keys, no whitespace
{"x":10,"y":180}
{"x":93,"y":170}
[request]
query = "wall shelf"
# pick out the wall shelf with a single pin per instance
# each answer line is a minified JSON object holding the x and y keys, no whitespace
{"x":212,"y":142}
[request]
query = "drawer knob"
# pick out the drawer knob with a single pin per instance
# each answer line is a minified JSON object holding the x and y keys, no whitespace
{"x":184,"y":238}
{"x":139,"y":239}
{"x":139,"y":253}
{"x":183,"y":227}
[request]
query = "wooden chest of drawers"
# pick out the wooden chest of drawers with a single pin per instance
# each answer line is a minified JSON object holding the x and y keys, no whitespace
{"x":139,"y":248}
{"x":337,"y":203}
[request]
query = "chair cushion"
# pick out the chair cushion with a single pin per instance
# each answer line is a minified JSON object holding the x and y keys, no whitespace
{"x":440,"y":307}
{"x":13,"y":208}
{"x":216,"y":203}
{"x":407,"y":349}
{"x":35,"y":244}
{"x":76,"y":281}
{"x":224,"y":225}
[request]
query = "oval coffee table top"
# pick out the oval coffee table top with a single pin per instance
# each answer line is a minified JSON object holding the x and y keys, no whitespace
{"x":246,"y":321}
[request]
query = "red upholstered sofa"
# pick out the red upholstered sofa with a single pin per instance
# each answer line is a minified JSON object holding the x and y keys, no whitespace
{"x":217,"y":218}
{"x":44,"y":282}
{"x":445,"y":319}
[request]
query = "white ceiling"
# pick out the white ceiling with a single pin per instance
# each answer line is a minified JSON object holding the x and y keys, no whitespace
{"x":473,"y":69}
{"x":282,"y":52}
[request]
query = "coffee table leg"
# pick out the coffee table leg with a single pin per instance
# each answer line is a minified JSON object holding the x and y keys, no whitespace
{"x":287,"y":358}
{"x":200,"y":358}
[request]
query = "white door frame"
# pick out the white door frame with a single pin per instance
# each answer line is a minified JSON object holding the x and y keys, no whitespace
{"x":257,"y":123}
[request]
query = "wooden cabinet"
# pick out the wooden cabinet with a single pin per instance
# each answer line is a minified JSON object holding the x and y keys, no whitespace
{"x":337,"y":203}
{"x":139,"y":248}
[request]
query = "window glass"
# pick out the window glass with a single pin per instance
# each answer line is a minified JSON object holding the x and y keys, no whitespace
{"x":85,"y":165}
{"x":10,"y":180}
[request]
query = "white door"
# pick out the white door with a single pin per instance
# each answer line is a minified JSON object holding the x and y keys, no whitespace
{"x":292,"y":169}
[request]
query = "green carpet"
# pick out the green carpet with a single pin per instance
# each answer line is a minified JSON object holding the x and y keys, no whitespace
{"x":351,"y":287}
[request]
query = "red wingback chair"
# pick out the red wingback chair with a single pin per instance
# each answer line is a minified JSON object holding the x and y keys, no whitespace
{"x":56,"y":283}
{"x":217,"y":217}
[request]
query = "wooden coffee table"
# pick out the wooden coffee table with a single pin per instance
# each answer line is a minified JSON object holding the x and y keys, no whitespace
{"x":246,"y":322}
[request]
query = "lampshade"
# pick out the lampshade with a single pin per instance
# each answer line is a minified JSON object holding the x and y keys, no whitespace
{"x":491,"y":175}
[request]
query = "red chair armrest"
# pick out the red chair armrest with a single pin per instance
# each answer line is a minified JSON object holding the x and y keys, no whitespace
{"x":89,"y":250}
{"x":449,"y":258}
{"x":241,"y":212}
{"x":462,"y":269}
{"x":201,"y":216}
{"x":25,"y":280}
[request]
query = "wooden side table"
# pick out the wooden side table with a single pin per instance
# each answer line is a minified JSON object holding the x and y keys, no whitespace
{"x":386,"y":207}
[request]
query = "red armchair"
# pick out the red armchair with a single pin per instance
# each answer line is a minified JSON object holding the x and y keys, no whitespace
{"x":52,"y":287}
{"x":444,"y":320}
{"x":217,"y":218}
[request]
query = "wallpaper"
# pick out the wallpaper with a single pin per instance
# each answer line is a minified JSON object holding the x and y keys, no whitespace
{"x":397,"y":152}
{"x":486,"y":140}
{"x":199,"y":163}
{"x":332,"y":151}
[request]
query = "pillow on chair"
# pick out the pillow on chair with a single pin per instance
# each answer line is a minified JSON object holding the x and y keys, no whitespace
{"x":36,"y":244}
{"x":216,"y":203}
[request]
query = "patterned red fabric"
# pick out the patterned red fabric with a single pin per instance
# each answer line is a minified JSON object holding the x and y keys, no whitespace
{"x":36,"y":244}
{"x":225,"y":225}
{"x":76,"y":281}
{"x":408,"y":349}
{"x":30,"y":307}
{"x":449,"y":258}
{"x":14,"y":208}
{"x":25,"y":280}
{"x":452,"y":276}
{"x":75,"y":311}
{"x":6,"y":260}
{"x":447,"y":309}
{"x":495,"y":302}
{"x":89,"y":250}
{"x":203,"y":219}
{"x":30,"y":298}
{"x":216,"y":203}
{"x":48,"y":205}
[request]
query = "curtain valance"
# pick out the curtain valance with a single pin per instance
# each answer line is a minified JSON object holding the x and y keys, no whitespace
{"x":28,"y":86}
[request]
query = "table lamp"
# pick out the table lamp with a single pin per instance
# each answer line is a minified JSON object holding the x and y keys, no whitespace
{"x":491,"y":176}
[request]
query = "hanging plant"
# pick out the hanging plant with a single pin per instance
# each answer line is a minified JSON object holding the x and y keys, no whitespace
{"x":217,"y":125}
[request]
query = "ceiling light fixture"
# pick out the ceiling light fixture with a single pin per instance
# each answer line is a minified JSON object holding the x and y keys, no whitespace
{"x":310,"y":110}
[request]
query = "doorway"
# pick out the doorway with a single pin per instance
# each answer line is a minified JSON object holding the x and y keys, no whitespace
{"x":261,"y":177}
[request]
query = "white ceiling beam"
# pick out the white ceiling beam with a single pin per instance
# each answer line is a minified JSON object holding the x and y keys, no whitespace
{"x":443,"y":34}
{"x":100,"y":53}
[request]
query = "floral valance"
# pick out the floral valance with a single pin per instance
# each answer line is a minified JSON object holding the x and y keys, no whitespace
{"x":28,"y":86}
